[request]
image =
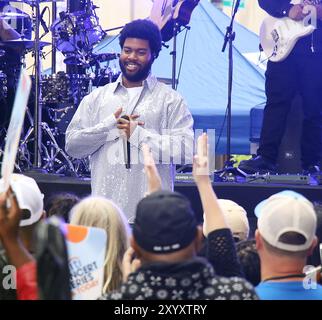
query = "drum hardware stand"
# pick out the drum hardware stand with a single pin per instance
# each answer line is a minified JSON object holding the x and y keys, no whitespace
{"x":55,"y":150}
{"x":50,"y":157}
{"x":229,"y":170}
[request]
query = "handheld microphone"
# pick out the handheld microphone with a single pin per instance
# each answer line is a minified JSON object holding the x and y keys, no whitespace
{"x":126,"y":148}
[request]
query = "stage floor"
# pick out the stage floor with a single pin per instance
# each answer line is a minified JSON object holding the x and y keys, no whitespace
{"x":248,"y":195}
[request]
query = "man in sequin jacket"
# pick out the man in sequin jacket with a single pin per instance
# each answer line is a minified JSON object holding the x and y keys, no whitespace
{"x":157,"y":115}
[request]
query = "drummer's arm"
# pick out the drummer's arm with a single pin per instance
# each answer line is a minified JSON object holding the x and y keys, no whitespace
{"x":6,"y":32}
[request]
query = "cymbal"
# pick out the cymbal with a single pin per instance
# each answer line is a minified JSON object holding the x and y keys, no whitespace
{"x":32,"y":1}
{"x":22,"y":44}
{"x":10,"y":15}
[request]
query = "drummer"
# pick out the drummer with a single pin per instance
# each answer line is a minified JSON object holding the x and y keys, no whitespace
{"x":14,"y":24}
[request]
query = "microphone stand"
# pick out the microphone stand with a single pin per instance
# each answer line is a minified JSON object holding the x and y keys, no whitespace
{"x":176,"y":29}
{"x":38,"y":110}
{"x":112,"y":29}
{"x":229,"y":39}
{"x":53,"y":53}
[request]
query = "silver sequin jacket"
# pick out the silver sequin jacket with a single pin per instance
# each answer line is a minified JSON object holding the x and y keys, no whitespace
{"x":167,"y":130}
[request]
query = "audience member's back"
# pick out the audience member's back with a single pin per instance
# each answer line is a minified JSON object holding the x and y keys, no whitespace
{"x":166,"y":239}
{"x":284,"y":239}
{"x":315,"y":258}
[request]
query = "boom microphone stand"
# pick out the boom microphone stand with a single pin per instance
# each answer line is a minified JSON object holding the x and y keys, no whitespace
{"x":229,"y":39}
{"x":176,"y":29}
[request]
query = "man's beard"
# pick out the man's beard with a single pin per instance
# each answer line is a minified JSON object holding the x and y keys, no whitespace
{"x":139,"y":75}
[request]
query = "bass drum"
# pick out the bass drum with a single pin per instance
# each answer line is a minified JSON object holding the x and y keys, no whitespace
{"x":61,"y":89}
{"x":76,"y":31}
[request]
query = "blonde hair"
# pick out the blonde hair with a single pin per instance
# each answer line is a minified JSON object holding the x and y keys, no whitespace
{"x":102,"y":213}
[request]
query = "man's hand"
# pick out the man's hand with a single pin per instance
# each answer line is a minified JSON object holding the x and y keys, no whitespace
{"x":129,"y":263}
{"x":117,"y":113}
{"x":9,"y":217}
{"x":128,"y":126}
{"x":7,"y":32}
{"x":152,"y":174}
{"x":296,"y":12}
{"x":200,"y":161}
{"x":9,"y":230}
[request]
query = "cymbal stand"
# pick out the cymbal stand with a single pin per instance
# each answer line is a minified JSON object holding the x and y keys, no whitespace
{"x":38,"y":107}
{"x":53,"y":53}
{"x":37,"y":126}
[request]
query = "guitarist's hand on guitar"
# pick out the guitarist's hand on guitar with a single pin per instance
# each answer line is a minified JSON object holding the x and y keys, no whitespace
{"x":296,"y":12}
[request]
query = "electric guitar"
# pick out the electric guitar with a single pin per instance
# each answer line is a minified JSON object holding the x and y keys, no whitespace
{"x":278,"y":36}
{"x":165,"y":13}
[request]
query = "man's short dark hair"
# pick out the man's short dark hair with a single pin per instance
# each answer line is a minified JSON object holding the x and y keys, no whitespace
{"x":143,"y":29}
{"x":292,"y":238}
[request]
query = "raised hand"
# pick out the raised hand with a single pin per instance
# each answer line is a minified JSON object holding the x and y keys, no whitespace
{"x":151,"y":171}
{"x":9,"y":217}
{"x":129,"y":263}
{"x":9,"y":230}
{"x":201,"y":161}
{"x":213,"y":216}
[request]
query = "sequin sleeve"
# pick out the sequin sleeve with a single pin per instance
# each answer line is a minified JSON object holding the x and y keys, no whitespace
{"x":175,"y":143}
{"x":82,"y":137}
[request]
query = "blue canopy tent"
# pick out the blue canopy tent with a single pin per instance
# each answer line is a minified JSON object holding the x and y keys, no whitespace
{"x":203,"y":78}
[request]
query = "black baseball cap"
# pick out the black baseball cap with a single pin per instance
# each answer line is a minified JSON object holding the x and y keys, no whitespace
{"x":164,"y":223}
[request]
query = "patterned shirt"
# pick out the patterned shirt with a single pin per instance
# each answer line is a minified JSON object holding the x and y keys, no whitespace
{"x":191,"y":280}
{"x":167,"y":130}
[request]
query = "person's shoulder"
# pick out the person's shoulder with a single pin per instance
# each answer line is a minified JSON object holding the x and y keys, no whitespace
{"x":173,"y":96}
{"x":233,"y":280}
{"x":232,"y":288}
{"x":238,"y":284}
{"x":166,"y":87}
{"x":115,"y":295}
{"x":97,"y":93}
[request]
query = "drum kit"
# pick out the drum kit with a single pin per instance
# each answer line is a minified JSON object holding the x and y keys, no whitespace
{"x":56,"y":96}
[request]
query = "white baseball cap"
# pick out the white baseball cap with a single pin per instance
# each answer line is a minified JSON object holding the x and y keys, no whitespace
{"x":28,"y":196}
{"x":283,"y":212}
{"x":236,"y":218}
